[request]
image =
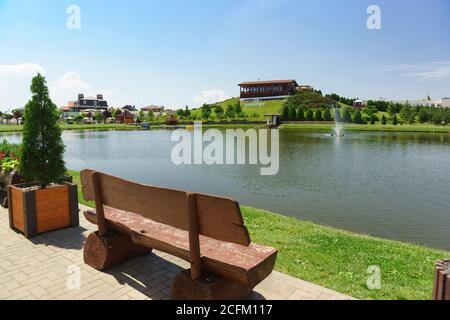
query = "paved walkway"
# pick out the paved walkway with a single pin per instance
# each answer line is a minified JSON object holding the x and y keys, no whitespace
{"x":45,"y":267}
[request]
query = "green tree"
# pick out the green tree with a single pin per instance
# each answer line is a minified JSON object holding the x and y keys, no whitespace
{"x":180,"y":113}
{"x":300,"y":114}
{"x":358,"y":118}
{"x":150,"y":114}
{"x":206,"y":111}
{"x":392,"y":109}
{"x":98,"y":117}
{"x":187,"y":112}
{"x":373,"y":118}
{"x":394,"y":120}
{"x":141,"y":115}
{"x":107,"y":114}
{"x":42,"y":146}
{"x":230,"y":112}
{"x":309,"y":115}
{"x":292,"y":114}
{"x":238,"y":107}
{"x":79,"y":118}
{"x":327,"y":115}
{"x":423,"y":115}
{"x":285,"y":113}
{"x":347,"y":117}
{"x":116,"y":112}
{"x":383,"y":120}
{"x":318,"y":116}
{"x":219,"y":112}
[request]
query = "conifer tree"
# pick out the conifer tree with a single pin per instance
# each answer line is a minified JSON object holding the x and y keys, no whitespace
{"x":42,"y":147}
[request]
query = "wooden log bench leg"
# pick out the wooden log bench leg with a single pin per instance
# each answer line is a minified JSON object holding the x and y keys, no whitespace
{"x":207,"y":287}
{"x":103,"y":252}
{"x":441,"y":289}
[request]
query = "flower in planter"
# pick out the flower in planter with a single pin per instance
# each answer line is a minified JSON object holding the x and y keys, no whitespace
{"x":42,"y":146}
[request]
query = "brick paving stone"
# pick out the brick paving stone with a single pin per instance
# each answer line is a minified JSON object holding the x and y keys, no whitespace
{"x":38,"y":269}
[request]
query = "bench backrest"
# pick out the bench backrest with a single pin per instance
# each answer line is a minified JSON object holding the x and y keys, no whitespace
{"x":218,"y":218}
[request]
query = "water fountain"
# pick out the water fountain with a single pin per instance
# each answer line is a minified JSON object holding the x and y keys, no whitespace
{"x":338,"y":126}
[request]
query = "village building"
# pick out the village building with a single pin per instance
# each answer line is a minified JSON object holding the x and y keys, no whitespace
{"x":130,"y":108}
{"x":126,"y":117}
{"x":84,"y":104}
{"x":157,"y":110}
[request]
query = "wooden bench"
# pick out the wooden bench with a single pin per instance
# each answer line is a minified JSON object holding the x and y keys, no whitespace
{"x":206,"y":231}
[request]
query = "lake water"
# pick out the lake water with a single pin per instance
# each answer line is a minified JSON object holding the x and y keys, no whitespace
{"x":392,"y":185}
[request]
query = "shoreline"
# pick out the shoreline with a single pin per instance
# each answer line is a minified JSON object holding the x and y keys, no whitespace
{"x":287,"y":126}
{"x":339,"y":259}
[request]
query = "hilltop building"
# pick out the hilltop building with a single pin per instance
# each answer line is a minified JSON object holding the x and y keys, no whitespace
{"x":359,"y":104}
{"x":273,"y":89}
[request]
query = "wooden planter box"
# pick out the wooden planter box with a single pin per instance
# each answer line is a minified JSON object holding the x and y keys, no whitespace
{"x":33,"y":212}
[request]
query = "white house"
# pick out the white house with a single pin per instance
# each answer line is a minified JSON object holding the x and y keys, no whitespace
{"x":441,"y":103}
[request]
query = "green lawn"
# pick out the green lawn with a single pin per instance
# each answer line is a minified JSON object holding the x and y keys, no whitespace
{"x":369,"y":127}
{"x":254,"y":112}
{"x":339,"y":259}
{"x":109,"y":126}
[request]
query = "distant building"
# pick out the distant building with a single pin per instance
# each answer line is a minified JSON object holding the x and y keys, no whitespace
{"x":428,"y":102}
{"x":130,"y":108}
{"x":359,"y":104}
{"x":84,"y":104}
{"x":90,"y":103}
{"x":264,"y":90}
{"x":126,"y":117}
{"x":157,"y":110}
{"x":305,"y":87}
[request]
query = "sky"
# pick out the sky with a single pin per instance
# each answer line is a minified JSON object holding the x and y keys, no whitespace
{"x":186,"y":52}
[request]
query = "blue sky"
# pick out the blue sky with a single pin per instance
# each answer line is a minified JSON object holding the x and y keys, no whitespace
{"x":184,"y":52}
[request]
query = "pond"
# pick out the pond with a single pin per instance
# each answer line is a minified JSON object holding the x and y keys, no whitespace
{"x":391,"y":185}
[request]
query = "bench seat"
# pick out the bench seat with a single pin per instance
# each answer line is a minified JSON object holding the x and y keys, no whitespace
{"x":246,"y":265}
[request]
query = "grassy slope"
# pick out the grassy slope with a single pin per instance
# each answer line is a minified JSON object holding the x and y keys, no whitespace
{"x":339,"y":259}
{"x":269,"y":106}
{"x":17,"y":128}
{"x":369,"y":127}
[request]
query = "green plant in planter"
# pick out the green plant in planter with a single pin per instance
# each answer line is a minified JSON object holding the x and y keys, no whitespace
{"x":9,"y":164}
{"x":10,"y":155}
{"x":42,"y":146}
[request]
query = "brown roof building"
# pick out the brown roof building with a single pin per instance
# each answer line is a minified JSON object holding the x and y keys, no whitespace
{"x":274,"y":89}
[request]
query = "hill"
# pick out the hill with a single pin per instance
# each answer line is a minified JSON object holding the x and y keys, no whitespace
{"x":253,"y":110}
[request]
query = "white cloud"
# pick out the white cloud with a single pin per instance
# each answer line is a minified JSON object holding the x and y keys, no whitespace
{"x":425,"y":71}
{"x":211,"y":96}
{"x":21,"y":69}
{"x":15,"y":80}
{"x":71,"y":84}
{"x":67,"y":88}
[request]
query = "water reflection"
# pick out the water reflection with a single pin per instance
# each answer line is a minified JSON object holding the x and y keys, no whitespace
{"x":392,"y":185}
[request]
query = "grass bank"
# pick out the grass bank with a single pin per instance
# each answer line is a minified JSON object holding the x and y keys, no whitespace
{"x":339,"y":259}
{"x":370,"y":127}
{"x":108,"y":126}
